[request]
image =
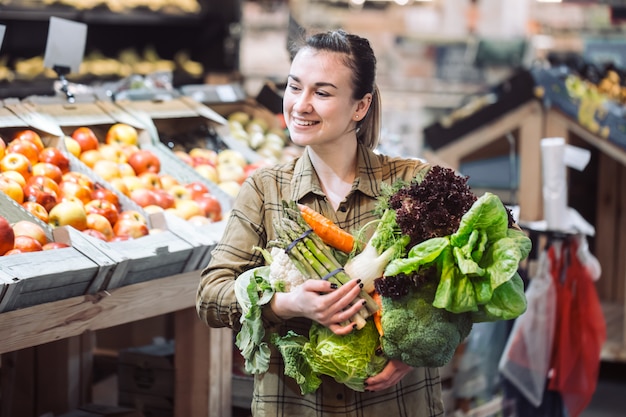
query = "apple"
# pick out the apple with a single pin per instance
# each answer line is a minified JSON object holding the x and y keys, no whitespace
{"x":231,"y":156}
{"x":180,"y":192}
{"x":36,"y":210}
{"x":86,"y":138}
{"x":197,"y":188}
{"x":12,"y":188}
{"x":205,"y":154}
{"x":90,"y":157}
{"x":185,"y":157}
{"x":16,"y":162}
{"x":14,"y":252}
{"x":26,"y":148}
{"x":72,"y":146}
{"x":129,"y":149}
{"x":100,"y":223}
{"x":106,"y":169}
{"x":151,"y":209}
{"x":122,"y":133}
{"x":164,"y":199}
{"x":7,"y":236}
{"x":132,"y":183}
{"x":3,"y":147}
{"x":119,"y":185}
{"x":150,"y":180}
{"x":188,"y":208}
{"x":95,"y":234}
{"x":199,"y":220}
{"x":134,"y":215}
{"x":56,"y":157}
{"x":230,"y":187}
{"x":143,"y":197}
{"x":80,"y":178}
{"x":207,"y":171}
{"x":68,"y":213}
{"x":27,"y":244}
{"x":113,"y":152}
{"x":31,"y":136}
{"x":14,"y":175}
{"x":104,"y":208}
{"x":231,"y":172}
{"x":167,"y":181}
{"x":99,"y":192}
{"x":41,"y":193}
{"x":32,"y":229}
{"x":210,"y":205}
{"x":132,"y":228}
{"x":126,"y":170}
{"x":49,"y":170}
{"x":55,"y":245}
{"x":144,"y":160}
{"x":70,"y":190}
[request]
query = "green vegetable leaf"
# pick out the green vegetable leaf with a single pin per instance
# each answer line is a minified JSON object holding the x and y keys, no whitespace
{"x":508,"y":302}
{"x":422,"y":254}
{"x":487,"y":214}
{"x":455,"y":291}
{"x":297,"y":366}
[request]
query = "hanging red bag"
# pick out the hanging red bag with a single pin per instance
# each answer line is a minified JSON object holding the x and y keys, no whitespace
{"x":580,"y":330}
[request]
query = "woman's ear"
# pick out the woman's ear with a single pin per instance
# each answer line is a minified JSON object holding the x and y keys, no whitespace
{"x":363,"y":106}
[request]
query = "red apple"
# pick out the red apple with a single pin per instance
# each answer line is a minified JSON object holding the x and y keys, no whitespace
{"x":12,"y":188}
{"x":28,"y":228}
{"x":99,"y":192}
{"x":42,"y":190}
{"x":49,"y":170}
{"x":16,"y":162}
{"x":134,"y":215}
{"x":7,"y":236}
{"x":131,"y":228}
{"x":68,"y":213}
{"x":151,"y":180}
{"x":144,"y":160}
{"x":80,"y":178}
{"x":55,"y":245}
{"x":31,"y":136}
{"x":100,"y":223}
{"x":143,"y":197}
{"x":122,"y":133}
{"x":36,"y":210}
{"x":105,"y":208}
{"x":26,"y":148}
{"x":197,"y":188}
{"x":56,"y":157}
{"x":211,"y":206}
{"x":27,"y":244}
{"x":164,"y":199}
{"x":86,"y":138}
{"x":69,"y":190}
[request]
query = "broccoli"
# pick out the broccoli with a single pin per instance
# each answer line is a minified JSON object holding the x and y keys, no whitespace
{"x":419,"y":334}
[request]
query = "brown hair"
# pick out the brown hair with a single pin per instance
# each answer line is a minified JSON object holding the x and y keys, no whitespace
{"x":359,"y":57}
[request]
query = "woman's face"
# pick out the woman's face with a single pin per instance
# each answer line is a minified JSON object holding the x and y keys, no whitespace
{"x":317,"y":104}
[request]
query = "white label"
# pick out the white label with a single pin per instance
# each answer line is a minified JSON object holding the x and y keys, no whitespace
{"x":65,"y":46}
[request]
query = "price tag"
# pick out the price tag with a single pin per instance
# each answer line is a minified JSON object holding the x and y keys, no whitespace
{"x":65,"y":46}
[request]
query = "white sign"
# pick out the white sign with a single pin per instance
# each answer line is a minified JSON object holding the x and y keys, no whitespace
{"x":65,"y":46}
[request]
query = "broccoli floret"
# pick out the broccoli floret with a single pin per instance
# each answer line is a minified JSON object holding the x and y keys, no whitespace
{"x":419,"y":334}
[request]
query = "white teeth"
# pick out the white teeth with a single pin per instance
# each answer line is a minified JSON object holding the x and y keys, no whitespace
{"x":303,"y":123}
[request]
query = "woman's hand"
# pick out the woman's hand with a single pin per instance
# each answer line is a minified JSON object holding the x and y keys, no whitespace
{"x":321,"y":301}
{"x":393,"y":372}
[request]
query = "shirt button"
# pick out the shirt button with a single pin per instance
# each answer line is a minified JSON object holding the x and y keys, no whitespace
{"x":340,"y":396}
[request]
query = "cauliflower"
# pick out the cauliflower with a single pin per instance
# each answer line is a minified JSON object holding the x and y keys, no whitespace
{"x":284,"y":275}
{"x":419,"y":334}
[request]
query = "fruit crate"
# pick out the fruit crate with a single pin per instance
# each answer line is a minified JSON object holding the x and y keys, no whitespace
{"x":45,"y":276}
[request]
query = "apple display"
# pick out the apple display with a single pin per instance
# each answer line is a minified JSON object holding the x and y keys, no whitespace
{"x":68,"y":213}
{"x":56,"y":157}
{"x":16,"y":162}
{"x":72,"y":146}
{"x":144,"y":160}
{"x":104,"y":208}
{"x":7,"y":236}
{"x":70,"y":190}
{"x":36,"y":210}
{"x":28,"y":228}
{"x":130,"y":227}
{"x":210,"y":205}
{"x":100,"y":223}
{"x":122,"y":133}
{"x":86,"y":138}
{"x":27,"y":244}
{"x":12,"y":189}
{"x":26,"y":148}
{"x":49,"y":170}
{"x":31,"y":136}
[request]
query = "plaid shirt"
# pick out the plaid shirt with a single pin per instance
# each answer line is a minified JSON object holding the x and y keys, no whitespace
{"x":257,"y":206}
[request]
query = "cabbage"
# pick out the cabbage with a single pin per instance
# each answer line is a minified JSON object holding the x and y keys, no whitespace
{"x":348,"y":359}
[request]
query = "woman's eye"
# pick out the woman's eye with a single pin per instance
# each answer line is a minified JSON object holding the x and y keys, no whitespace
{"x":322,"y":93}
{"x":293,"y":87}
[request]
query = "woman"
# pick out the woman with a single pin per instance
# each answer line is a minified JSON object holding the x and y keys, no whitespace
{"x":332,"y":108}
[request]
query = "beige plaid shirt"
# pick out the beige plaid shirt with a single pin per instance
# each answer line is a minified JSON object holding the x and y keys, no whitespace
{"x":257,"y":206}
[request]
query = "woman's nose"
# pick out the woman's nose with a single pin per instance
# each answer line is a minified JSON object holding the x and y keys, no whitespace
{"x":302,"y":104}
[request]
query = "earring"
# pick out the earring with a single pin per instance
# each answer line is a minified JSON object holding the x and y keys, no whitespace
{"x":356,"y":117}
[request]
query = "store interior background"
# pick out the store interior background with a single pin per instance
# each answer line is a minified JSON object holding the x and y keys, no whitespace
{"x":419,"y":84}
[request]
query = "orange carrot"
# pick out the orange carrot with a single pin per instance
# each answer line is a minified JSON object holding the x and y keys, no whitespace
{"x":329,"y":232}
{"x":378,"y":313}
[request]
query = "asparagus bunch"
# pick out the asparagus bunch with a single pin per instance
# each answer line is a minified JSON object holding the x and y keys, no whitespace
{"x":314,"y":258}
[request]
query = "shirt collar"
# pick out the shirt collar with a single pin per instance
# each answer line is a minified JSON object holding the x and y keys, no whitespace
{"x":305,"y":180}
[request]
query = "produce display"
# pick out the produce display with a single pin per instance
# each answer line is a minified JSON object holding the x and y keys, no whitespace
{"x":439,"y":260}
{"x":24,"y":236}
